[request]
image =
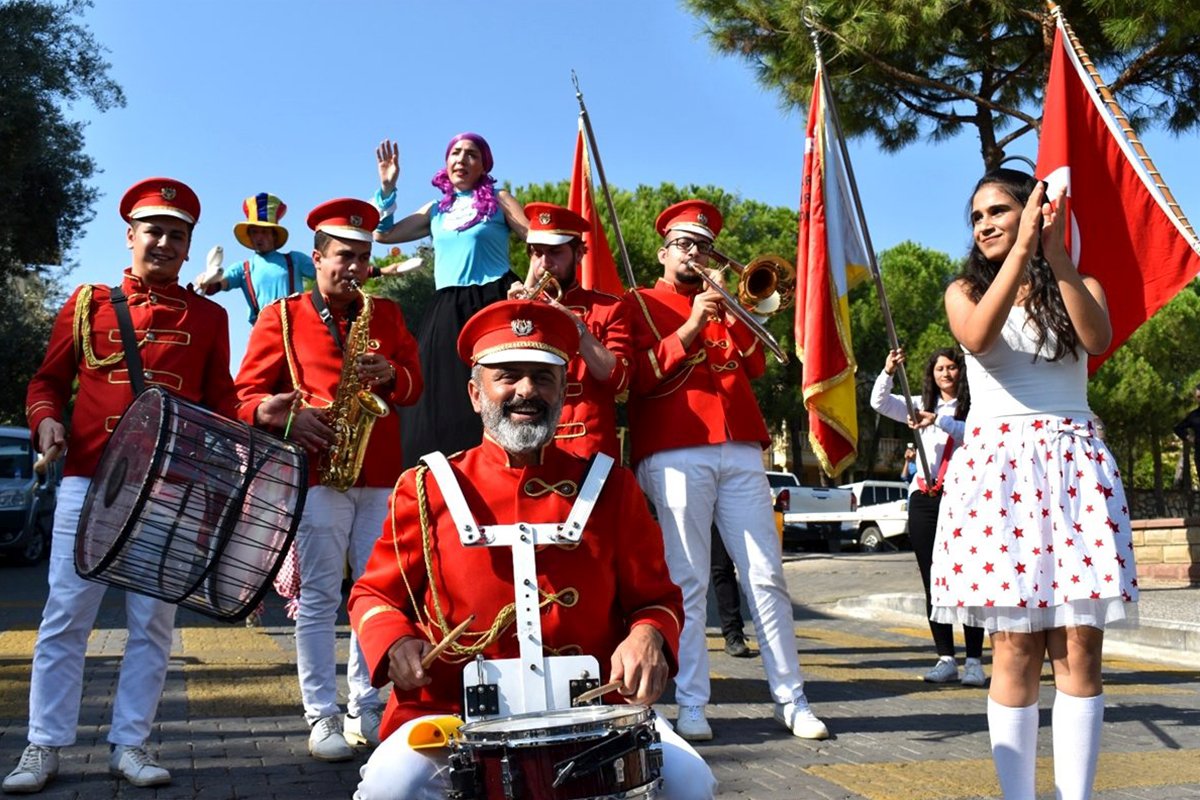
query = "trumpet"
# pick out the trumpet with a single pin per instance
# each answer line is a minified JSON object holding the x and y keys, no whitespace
{"x":547,"y":288}
{"x":739,"y":311}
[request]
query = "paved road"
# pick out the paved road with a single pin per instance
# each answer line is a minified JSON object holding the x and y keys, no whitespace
{"x":230,"y":726}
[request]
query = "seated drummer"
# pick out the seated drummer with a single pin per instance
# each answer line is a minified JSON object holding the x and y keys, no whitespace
{"x":609,"y":597}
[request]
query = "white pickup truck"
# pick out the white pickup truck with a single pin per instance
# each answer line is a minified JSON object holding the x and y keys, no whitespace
{"x":799,"y":504}
{"x":875,"y":517}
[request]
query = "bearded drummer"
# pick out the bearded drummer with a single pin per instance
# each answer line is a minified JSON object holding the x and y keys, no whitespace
{"x":307,"y":359}
{"x":608,"y":596}
{"x":599,"y":373}
{"x":183,"y":341}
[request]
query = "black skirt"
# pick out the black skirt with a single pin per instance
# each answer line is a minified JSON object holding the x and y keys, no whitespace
{"x":442,"y":419}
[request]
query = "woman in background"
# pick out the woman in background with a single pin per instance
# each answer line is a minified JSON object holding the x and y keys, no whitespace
{"x":470,"y":225}
{"x":941,"y":408}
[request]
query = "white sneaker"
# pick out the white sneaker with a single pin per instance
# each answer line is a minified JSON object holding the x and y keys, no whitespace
{"x":37,"y":767}
{"x":944,"y":671}
{"x":692,"y":725}
{"x":135,"y":765}
{"x":798,"y":718}
{"x":973,"y":673}
{"x":326,"y":742}
{"x":363,"y":729}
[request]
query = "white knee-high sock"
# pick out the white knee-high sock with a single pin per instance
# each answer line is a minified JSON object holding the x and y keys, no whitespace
{"x":1013,"y":733}
{"x":1076,"y":724}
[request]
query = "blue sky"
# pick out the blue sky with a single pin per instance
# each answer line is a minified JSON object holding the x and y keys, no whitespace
{"x":292,"y":96}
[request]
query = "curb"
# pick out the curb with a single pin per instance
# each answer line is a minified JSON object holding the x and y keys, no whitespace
{"x":1165,"y":641}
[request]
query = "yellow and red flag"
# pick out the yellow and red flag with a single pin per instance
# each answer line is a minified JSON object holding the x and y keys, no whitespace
{"x":831,"y":259}
{"x":1125,"y":229}
{"x":598,"y":270}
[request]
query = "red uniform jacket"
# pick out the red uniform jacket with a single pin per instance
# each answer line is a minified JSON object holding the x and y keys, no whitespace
{"x":589,"y":418}
{"x":184,"y":348}
{"x":684,"y":397}
{"x":317,"y":361}
{"x":613,"y":579}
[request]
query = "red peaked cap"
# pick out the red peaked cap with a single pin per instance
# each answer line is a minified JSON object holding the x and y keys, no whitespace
{"x":345,"y":218}
{"x":691,"y":216}
{"x":160,"y":197}
{"x":553,"y":225}
{"x":518,"y":331}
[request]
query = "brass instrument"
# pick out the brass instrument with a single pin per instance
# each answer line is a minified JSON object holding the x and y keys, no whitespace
{"x":546,"y":285}
{"x":744,"y":315}
{"x":766,"y":285}
{"x":354,"y":409}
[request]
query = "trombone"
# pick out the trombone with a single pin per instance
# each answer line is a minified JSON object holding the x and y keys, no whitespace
{"x":766,"y":285}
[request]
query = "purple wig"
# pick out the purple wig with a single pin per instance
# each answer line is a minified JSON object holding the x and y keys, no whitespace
{"x":484,"y":192}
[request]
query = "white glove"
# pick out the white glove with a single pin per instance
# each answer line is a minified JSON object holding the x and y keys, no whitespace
{"x":212,"y":270}
{"x":408,"y":265}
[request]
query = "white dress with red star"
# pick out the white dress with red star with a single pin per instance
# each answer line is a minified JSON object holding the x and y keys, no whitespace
{"x":1034,"y":533}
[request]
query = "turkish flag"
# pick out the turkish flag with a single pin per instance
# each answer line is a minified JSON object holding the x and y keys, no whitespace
{"x":597,"y":270}
{"x":1122,"y":231}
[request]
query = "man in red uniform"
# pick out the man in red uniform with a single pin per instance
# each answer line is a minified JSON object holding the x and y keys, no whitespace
{"x":184,"y":344}
{"x":289,"y":379}
{"x":608,"y":597}
{"x":698,"y":437}
{"x":600,"y":372}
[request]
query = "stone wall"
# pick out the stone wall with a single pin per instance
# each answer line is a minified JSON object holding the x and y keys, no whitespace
{"x":1177,"y":503}
{"x":1167,"y":551}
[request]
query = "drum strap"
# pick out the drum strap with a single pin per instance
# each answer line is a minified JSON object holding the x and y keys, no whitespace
{"x":469,"y":531}
{"x":133,"y":358}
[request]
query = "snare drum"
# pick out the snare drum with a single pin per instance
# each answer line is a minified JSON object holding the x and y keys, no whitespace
{"x":587,"y":752}
{"x":190,"y":507}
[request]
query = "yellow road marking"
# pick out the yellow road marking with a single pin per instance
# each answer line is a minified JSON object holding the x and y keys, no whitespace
{"x":948,"y":780}
{"x":237,"y":668}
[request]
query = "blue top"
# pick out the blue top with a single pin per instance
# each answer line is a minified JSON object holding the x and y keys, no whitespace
{"x":474,"y":256}
{"x":269,"y":278}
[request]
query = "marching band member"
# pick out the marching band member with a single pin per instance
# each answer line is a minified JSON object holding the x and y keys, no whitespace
{"x":470,"y":225}
{"x":600,"y":372}
{"x":609,"y":596}
{"x":183,"y":341}
{"x":698,"y":437}
{"x":308,"y":352}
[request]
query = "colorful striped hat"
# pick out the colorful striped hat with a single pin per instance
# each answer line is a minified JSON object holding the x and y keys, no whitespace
{"x":263,"y":211}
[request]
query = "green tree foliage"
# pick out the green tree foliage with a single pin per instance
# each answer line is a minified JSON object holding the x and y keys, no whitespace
{"x":907,"y":69}
{"x":48,"y":61}
{"x":25,"y":322}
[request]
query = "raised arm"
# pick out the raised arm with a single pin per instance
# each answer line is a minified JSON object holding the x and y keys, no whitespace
{"x":1083,"y":296}
{"x":514,"y":215}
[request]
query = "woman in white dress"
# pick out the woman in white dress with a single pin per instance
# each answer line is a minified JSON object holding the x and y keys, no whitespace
{"x":1033,"y":542}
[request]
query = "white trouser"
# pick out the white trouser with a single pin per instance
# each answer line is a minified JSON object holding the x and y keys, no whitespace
{"x":690,"y":487}
{"x":397,"y":772}
{"x":56,"y":686}
{"x":335,"y":527}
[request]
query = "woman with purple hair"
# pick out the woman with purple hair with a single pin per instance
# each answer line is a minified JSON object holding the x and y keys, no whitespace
{"x":470,"y":225}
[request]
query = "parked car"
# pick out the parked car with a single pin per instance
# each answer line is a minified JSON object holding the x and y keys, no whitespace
{"x":810,"y":518}
{"x":26,"y":500}
{"x":882,"y":514}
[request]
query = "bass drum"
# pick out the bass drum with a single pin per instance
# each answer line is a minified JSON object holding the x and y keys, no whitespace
{"x":190,"y":507}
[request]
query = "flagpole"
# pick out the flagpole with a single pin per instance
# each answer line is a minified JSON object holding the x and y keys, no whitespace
{"x":612,"y":209}
{"x":1119,"y":115}
{"x":901,"y":374}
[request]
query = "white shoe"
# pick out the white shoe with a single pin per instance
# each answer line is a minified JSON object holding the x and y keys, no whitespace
{"x":135,"y":765}
{"x":37,"y":767}
{"x":692,"y":725}
{"x":798,"y":718}
{"x":973,"y":673}
{"x":363,"y":729}
{"x":944,"y":671}
{"x":326,"y":742}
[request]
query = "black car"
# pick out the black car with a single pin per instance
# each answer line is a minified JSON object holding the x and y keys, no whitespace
{"x":26,"y":500}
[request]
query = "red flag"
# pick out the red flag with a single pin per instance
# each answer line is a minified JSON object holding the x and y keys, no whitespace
{"x":598,"y":270}
{"x":1121,"y":230}
{"x":830,"y":260}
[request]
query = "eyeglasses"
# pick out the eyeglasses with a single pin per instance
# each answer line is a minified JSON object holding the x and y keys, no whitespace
{"x":684,"y":244}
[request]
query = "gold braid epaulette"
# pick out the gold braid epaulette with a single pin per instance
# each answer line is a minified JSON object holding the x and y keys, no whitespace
{"x":481,"y":639}
{"x":83,"y":332}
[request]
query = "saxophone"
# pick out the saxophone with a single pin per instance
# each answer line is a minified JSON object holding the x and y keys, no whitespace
{"x":354,"y":409}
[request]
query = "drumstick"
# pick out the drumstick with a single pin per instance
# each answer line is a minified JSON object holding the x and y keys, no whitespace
{"x":44,"y":460}
{"x":441,"y":646}
{"x":592,"y":694}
